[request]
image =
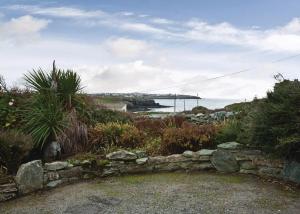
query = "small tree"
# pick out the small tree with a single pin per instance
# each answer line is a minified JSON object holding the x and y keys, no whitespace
{"x":274,"y":123}
{"x":55,"y":97}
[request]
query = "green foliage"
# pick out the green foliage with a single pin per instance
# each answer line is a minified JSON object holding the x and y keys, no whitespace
{"x":188,"y":137}
{"x":274,"y":123}
{"x":152,"y":146}
{"x":114,"y":134}
{"x":45,"y":119}
{"x":201,"y":109}
{"x":106,"y":116}
{"x":56,"y":96}
{"x":14,"y":149}
{"x":228,"y":131}
{"x":12,"y":103}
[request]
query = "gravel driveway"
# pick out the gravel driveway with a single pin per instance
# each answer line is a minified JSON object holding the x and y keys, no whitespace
{"x":162,"y":193}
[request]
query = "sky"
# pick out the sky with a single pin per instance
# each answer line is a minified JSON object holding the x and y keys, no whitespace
{"x":155,"y":46}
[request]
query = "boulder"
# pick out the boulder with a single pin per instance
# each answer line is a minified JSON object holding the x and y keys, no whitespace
{"x":140,"y":154}
{"x":122,"y":155}
{"x":53,"y":184}
{"x":230,"y":145}
{"x":30,"y":176}
{"x":58,"y":165}
{"x":188,"y":154}
{"x":247,"y":165}
{"x":141,"y":161}
{"x":291,"y":171}
{"x":205,"y":152}
{"x":224,"y":161}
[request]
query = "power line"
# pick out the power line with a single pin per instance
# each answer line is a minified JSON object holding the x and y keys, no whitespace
{"x":225,"y":75}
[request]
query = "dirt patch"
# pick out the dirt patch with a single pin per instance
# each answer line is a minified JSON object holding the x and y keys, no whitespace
{"x":162,"y":193}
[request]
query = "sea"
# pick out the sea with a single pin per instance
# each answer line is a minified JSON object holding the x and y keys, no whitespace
{"x":189,"y":104}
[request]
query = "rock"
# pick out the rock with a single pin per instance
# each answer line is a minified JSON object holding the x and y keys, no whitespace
{"x":291,"y":172}
{"x":224,"y":161}
{"x":58,"y":165}
{"x":270,"y":172}
{"x":72,"y":172}
{"x":157,"y":160}
{"x":272,"y":163}
{"x":110,"y":172}
{"x":205,"y":152}
{"x":248,"y":165}
{"x":52,"y":151}
{"x":188,"y":154}
{"x":230,"y":145}
{"x":8,"y":191}
{"x":30,"y":176}
{"x":248,"y":171}
{"x":140,"y":154}
{"x":134,"y":168}
{"x":200,"y":166}
{"x":122,"y":155}
{"x":51,"y":176}
{"x":53,"y":184}
{"x":176,"y":158}
{"x":141,"y":161}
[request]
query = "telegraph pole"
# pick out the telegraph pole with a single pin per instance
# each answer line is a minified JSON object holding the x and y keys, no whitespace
{"x":197,"y":100}
{"x":184,"y":104}
{"x":175,"y":104}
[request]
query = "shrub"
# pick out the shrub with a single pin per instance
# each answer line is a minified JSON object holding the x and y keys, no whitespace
{"x":188,"y":137}
{"x":152,"y":146}
{"x":273,"y":124}
{"x":106,"y":115}
{"x":15,"y":148}
{"x":114,"y":134}
{"x":228,"y":131}
{"x":150,"y":127}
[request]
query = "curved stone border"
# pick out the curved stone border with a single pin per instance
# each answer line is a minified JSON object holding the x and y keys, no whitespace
{"x":229,"y":157}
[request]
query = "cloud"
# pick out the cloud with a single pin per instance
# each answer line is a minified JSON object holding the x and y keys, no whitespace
{"x":284,"y":38}
{"x":127,"y":48}
{"x":141,"y":27}
{"x":63,"y":12}
{"x":22,"y":29}
{"x":161,"y":21}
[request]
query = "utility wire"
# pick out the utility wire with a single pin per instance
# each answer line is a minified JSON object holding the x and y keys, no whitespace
{"x":225,"y":75}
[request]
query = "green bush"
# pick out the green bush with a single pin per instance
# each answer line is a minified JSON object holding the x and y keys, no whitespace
{"x":106,"y":116}
{"x":273,"y":124}
{"x":228,"y":131}
{"x":15,"y":148}
{"x":114,"y":134}
{"x":188,"y":137}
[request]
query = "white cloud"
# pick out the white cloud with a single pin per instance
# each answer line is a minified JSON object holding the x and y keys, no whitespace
{"x":141,"y":27}
{"x":127,"y":48}
{"x":284,"y":38}
{"x":278,"y":39}
{"x":66,"y":12}
{"x":161,"y":21}
{"x":22,"y":29}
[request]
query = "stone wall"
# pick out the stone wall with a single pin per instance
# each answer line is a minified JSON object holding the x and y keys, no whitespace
{"x":229,"y":157}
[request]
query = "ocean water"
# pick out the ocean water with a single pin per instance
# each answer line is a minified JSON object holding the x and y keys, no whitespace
{"x":189,"y":104}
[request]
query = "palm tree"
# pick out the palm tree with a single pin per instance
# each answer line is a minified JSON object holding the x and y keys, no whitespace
{"x":56,"y":96}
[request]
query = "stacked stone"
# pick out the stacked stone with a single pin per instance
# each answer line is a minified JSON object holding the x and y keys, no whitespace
{"x":229,"y":157}
{"x":60,"y":172}
{"x":8,"y":191}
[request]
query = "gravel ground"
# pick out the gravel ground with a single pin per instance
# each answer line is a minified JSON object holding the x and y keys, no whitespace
{"x":162,"y":193}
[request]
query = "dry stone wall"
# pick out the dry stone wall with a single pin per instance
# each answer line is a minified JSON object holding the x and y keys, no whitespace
{"x":229,"y":157}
